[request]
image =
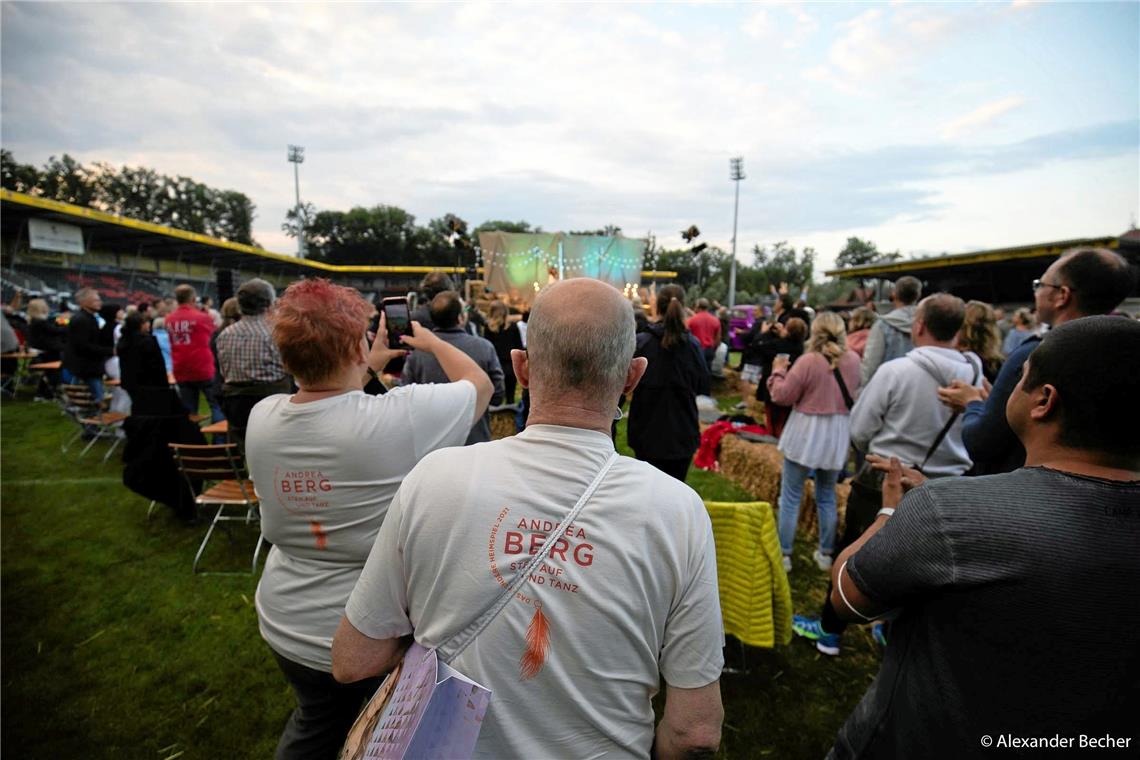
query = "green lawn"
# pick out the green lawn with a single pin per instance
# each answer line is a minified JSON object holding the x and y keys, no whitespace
{"x":111,"y":648}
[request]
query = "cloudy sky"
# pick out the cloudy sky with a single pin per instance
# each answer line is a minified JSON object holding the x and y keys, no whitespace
{"x":923,"y":127}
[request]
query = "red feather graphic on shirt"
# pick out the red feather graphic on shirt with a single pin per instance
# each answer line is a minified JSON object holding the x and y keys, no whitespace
{"x":537,"y":642}
{"x":318,"y":531}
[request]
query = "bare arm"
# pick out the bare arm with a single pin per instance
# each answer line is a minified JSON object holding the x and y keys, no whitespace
{"x":690,"y":727}
{"x":356,"y":656}
{"x":455,"y":364}
{"x":849,"y":602}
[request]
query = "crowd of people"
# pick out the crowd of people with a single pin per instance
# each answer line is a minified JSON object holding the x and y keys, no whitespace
{"x":992,"y":516}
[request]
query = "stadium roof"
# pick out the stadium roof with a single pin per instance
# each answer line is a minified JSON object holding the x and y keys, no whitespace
{"x":1000,"y":276}
{"x":123,"y":233}
{"x":933,"y":264}
{"x":120,"y":232}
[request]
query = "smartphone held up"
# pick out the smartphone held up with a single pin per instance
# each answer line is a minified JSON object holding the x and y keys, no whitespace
{"x":398,"y":321}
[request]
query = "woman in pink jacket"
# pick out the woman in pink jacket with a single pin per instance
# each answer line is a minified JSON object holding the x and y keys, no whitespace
{"x":820,"y":388}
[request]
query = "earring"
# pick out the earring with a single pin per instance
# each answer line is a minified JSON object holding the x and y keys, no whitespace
{"x":618,"y":414}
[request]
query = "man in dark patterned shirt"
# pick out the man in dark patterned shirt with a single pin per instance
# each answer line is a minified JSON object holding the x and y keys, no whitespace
{"x":248,"y":358}
{"x":1013,"y":626}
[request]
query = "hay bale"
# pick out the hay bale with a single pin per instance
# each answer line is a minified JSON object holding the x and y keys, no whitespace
{"x":757,"y":467}
{"x":808,"y":521}
{"x":732,"y":385}
{"x":502,"y":424}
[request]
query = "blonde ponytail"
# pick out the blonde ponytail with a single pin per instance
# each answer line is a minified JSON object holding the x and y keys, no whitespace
{"x":828,"y":337}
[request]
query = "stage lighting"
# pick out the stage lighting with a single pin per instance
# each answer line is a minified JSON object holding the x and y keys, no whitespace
{"x":698,"y":248}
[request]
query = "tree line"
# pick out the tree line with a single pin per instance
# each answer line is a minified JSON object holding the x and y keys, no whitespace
{"x":135,"y":192}
{"x":387,"y":234}
{"x":705,"y":274}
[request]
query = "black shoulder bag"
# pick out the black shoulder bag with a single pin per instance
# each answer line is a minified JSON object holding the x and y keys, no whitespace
{"x":949,"y":423}
{"x":843,"y":389}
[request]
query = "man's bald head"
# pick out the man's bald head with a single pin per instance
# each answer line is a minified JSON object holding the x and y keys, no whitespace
{"x":1099,"y":278}
{"x":580,"y":339}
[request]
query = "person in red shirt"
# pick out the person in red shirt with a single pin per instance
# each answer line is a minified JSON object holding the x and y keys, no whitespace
{"x":190,"y":329}
{"x":705,"y":327}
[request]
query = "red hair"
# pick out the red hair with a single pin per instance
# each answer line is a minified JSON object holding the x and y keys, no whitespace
{"x":317,"y":327}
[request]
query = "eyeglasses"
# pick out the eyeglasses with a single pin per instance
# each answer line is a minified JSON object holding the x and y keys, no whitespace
{"x":1038,"y":284}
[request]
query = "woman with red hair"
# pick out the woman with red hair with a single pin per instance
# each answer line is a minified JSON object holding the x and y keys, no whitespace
{"x":326,"y":462}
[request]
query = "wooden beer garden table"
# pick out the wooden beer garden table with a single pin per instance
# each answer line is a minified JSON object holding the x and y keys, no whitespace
{"x":12,"y":383}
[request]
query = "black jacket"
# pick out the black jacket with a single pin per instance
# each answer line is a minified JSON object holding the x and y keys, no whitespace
{"x":663,"y":421}
{"x":48,"y":337}
{"x":504,"y":340}
{"x":797,"y":313}
{"x":141,"y":364}
{"x":158,"y":418}
{"x":641,"y":320}
{"x":764,"y":351}
{"x":85,"y":352}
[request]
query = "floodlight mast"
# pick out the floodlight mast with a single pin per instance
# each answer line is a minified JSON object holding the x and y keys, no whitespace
{"x":297,"y":157}
{"x":737,"y":173}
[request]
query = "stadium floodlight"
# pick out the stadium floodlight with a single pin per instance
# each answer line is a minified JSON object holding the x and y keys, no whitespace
{"x":736,"y":166}
{"x":297,"y":157}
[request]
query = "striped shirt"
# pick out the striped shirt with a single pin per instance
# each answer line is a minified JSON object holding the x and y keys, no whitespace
{"x":1018,"y":613}
{"x":247,"y":354}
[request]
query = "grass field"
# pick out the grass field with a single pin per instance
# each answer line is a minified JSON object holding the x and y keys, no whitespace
{"x":112,"y":649}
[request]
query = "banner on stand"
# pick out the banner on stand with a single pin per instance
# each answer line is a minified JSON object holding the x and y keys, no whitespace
{"x":521,"y":264}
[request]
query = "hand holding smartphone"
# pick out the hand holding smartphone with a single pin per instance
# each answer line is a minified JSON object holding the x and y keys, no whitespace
{"x":397,"y":319}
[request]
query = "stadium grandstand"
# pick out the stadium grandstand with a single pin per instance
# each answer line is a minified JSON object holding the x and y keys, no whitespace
{"x":131,"y":261}
{"x":1001,"y":276}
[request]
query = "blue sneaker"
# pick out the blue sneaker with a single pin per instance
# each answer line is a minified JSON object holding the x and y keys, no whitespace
{"x":879,"y":634}
{"x":810,"y":629}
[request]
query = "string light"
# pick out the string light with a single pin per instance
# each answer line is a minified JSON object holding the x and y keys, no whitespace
{"x":536,"y":255}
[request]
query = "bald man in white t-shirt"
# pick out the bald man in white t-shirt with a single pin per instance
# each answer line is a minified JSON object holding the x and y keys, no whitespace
{"x":627,"y":596}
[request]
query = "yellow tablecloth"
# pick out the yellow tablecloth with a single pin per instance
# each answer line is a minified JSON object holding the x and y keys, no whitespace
{"x":755,"y":598}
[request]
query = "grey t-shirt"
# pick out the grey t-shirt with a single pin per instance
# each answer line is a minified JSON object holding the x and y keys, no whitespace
{"x":1019,"y":615}
{"x":628,"y":595}
{"x":422,"y":367}
{"x":325,"y":472}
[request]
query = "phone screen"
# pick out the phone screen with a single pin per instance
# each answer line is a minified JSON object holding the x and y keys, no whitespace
{"x":397,"y":319}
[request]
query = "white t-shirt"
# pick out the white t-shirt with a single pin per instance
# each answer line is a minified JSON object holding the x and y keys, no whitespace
{"x":325,"y":472}
{"x":629,"y":594}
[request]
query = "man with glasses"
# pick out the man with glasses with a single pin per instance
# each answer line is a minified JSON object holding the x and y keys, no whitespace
{"x":1083,"y":282}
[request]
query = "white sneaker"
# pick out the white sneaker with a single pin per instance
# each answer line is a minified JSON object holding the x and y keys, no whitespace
{"x":822,"y":560}
{"x":787,"y":564}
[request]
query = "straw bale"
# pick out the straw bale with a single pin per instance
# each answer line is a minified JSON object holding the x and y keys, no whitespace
{"x":808,"y":522}
{"x":732,"y":385}
{"x":502,"y":424}
{"x":756,"y":467}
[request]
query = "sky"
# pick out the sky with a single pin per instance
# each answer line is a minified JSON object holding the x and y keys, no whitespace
{"x":925,"y":128}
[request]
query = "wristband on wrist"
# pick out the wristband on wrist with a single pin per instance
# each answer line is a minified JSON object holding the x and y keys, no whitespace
{"x":888,"y":511}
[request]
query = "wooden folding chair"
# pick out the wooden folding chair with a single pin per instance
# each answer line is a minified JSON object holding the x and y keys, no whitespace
{"x":90,"y":416}
{"x":225,"y":484}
